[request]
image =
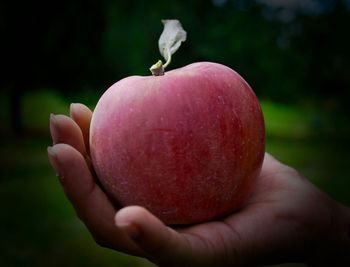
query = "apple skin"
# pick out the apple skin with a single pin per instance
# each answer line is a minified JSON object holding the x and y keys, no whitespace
{"x":188,"y":145}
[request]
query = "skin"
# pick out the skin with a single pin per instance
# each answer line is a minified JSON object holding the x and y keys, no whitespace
{"x":287,"y":219}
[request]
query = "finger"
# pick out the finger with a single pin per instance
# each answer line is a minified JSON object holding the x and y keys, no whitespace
{"x":162,"y":244}
{"x":89,"y":201}
{"x":81,"y":114}
{"x":64,"y":130}
{"x":271,"y":167}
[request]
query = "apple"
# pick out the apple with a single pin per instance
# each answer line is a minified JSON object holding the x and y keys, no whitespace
{"x":187,"y":145}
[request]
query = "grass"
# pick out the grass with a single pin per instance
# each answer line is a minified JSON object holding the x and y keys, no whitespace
{"x":38,"y":227}
{"x":324,"y":162}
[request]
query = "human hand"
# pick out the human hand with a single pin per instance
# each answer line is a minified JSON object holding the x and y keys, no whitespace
{"x":286,"y":219}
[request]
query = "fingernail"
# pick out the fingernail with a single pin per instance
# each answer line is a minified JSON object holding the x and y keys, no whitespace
{"x":53,"y":127}
{"x":132,"y":230}
{"x":53,"y":158}
{"x":72,"y":109}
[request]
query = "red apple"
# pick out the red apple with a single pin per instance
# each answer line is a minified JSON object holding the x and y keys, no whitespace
{"x":187,"y":145}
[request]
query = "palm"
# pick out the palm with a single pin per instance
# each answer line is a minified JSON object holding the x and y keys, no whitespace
{"x":266,"y":224}
{"x":241,"y":238}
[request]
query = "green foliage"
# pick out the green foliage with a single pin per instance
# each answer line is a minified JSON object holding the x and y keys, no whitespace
{"x":84,"y":44}
{"x":303,"y":57}
{"x":299,"y":67}
{"x":37,"y":107}
{"x":4,"y":111}
{"x":284,"y":121}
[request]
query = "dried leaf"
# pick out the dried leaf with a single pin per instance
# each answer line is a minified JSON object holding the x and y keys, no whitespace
{"x":171,"y":38}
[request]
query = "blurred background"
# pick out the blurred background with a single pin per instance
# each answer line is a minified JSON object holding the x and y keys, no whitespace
{"x":294,"y":53}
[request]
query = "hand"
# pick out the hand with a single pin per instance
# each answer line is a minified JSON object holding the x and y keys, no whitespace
{"x":286,"y":219}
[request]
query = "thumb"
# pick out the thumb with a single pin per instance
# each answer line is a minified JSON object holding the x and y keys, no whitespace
{"x":161,"y":244}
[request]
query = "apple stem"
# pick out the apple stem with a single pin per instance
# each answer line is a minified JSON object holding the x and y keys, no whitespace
{"x":168,"y":60}
{"x":169,"y":41}
{"x":157,"y":69}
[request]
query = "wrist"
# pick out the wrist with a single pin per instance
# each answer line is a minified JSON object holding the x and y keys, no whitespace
{"x":334,"y":248}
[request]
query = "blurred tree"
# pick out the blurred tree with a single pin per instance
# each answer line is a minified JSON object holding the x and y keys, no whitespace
{"x":286,"y":53}
{"x":49,"y":45}
{"x":324,"y":44}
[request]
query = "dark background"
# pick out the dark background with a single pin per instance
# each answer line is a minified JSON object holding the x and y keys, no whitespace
{"x":295,"y":54}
